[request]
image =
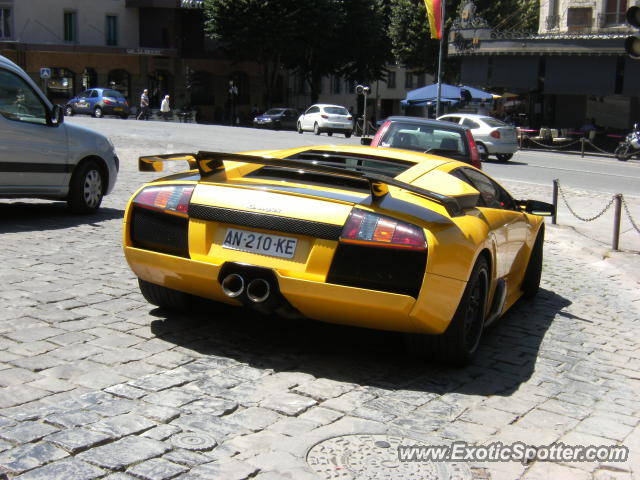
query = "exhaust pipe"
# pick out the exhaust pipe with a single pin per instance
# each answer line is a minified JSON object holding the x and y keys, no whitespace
{"x":258,"y":290}
{"x":233,"y":285}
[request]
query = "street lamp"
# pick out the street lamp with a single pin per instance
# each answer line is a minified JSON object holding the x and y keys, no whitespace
{"x":364,"y":90}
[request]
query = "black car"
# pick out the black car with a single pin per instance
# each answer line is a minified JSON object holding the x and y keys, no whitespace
{"x":277,"y":118}
{"x":98,"y":102}
{"x":425,"y":135}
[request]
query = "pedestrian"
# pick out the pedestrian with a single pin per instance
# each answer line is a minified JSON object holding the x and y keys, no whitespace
{"x":165,"y":109}
{"x":144,"y":105}
{"x":482,"y":109}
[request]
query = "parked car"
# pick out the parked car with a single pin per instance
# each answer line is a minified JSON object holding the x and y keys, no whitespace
{"x":371,"y":237}
{"x":428,"y":136}
{"x":98,"y":102}
{"x":493,"y":137}
{"x":277,"y":118}
{"x":326,"y":118}
{"x":43,"y":157}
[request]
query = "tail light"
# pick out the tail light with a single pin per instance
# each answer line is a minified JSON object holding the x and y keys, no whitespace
{"x":125,"y":102}
{"x":349,"y":118}
{"x":169,"y":198}
{"x":366,"y":228}
{"x":475,"y":156}
{"x":326,"y":117}
{"x":107,"y":101}
{"x":495,"y":133}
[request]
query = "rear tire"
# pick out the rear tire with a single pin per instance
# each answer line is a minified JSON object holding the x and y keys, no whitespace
{"x":316,"y":129}
{"x":86,"y":188}
{"x":622,"y":152}
{"x":531,"y":279}
{"x":330,"y":133}
{"x":504,"y":157}
{"x":482,"y":152}
{"x":347,"y":134}
{"x":459,"y":343}
{"x":299,"y":128}
{"x":165,"y":297}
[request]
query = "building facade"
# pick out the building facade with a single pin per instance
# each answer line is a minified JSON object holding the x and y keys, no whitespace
{"x":572,"y":70}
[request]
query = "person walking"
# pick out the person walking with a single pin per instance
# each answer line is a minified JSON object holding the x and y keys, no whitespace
{"x":144,"y":105}
{"x":165,"y":109}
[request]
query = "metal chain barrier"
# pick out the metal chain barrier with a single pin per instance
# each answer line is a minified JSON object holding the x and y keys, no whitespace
{"x":529,"y":139}
{"x":628,"y":212}
{"x":587,"y":141}
{"x":584,"y":219}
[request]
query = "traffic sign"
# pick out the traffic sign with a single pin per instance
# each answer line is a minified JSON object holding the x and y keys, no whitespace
{"x":45,"y":72}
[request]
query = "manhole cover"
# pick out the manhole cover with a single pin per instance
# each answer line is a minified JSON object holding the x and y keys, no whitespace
{"x":375,"y":457}
{"x":194,"y":441}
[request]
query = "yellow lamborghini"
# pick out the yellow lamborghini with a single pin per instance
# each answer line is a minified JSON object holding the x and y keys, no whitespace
{"x":372,"y":237}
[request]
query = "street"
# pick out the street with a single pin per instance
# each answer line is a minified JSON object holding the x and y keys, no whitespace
{"x":97,"y":383}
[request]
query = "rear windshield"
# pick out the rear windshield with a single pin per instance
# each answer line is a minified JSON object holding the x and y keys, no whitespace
{"x":425,"y":138}
{"x":494,"y":122}
{"x":112,"y":93}
{"x":336,"y":110}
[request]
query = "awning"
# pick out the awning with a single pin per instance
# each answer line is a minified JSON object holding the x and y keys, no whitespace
{"x":449,"y":93}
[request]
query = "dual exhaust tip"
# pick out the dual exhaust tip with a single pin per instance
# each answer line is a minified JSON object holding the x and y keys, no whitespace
{"x":257,"y":290}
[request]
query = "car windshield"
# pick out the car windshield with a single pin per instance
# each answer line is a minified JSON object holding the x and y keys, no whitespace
{"x":112,"y":93}
{"x":274,"y":111}
{"x":425,"y":138}
{"x":493,"y":122}
{"x":336,"y":110}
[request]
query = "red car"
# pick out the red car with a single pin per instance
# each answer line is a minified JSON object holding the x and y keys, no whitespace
{"x":423,"y":135}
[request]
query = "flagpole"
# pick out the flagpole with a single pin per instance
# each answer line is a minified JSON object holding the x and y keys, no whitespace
{"x":440,"y":55}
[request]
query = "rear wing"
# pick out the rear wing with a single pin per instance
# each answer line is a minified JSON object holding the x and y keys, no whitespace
{"x":209,"y":163}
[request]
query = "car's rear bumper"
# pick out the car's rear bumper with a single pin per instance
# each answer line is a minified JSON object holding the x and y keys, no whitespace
{"x":501,"y":147}
{"x":431,"y":312}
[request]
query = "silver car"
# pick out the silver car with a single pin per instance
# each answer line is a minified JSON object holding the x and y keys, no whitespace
{"x":326,"y":118}
{"x":43,"y":157}
{"x":492,"y":136}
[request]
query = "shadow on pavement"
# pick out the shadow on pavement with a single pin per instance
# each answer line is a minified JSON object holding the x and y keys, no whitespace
{"x":28,"y":217}
{"x":506,"y":358}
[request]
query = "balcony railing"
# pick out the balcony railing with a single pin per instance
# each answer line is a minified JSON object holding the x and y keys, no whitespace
{"x":611,"y":19}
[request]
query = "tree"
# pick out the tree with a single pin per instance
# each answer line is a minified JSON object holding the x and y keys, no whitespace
{"x":254,"y":30}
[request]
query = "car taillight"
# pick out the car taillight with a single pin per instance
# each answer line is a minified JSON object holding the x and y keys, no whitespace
{"x":475,"y":156}
{"x":107,"y":101}
{"x":169,"y":198}
{"x":349,"y":118}
{"x":495,"y":133}
{"x":326,"y":117}
{"x":366,"y":228}
{"x":125,"y":102}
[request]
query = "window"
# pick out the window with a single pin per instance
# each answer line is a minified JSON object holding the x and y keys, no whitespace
{"x":615,"y":11}
{"x":111,"y":29}
{"x":408,"y":80}
{"x":467,"y":122}
{"x":18,"y":101}
{"x":492,"y":195}
{"x":5,"y":23}
{"x":579,"y":19}
{"x":391,"y":79}
{"x":335,"y":84}
{"x":70,"y":27}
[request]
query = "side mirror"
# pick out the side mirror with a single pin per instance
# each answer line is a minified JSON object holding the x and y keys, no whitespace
{"x":366,"y":141}
{"x":56,"y":116}
{"x":536,"y":207}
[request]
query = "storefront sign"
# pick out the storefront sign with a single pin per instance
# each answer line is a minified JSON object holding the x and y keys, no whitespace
{"x":145,"y":51}
{"x":191,"y":3}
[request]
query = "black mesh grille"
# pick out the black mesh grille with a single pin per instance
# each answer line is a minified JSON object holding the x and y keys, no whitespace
{"x":160,"y":232}
{"x":375,"y":268}
{"x":265,"y":221}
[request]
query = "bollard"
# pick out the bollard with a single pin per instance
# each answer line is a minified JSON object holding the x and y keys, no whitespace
{"x":582,"y":147}
{"x":616,"y":222}
{"x":554,"y":217}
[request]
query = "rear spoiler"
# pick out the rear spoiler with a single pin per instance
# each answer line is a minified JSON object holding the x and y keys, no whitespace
{"x":209,"y":163}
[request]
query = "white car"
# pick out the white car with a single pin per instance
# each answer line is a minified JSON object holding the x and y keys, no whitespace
{"x":492,"y":136}
{"x":41,"y":156}
{"x":326,"y":118}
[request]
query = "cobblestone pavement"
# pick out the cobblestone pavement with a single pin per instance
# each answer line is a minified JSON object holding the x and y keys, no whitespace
{"x":96,"y":383}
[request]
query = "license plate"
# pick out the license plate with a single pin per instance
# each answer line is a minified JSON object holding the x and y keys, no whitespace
{"x":262,"y":243}
{"x":118,"y":109}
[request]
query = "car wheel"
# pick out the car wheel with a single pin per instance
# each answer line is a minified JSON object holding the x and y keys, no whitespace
{"x":347,"y":134}
{"x":504,"y":157}
{"x":299,"y":128}
{"x":531,"y":280}
{"x":482,"y":152}
{"x":97,"y":112}
{"x":459,"y":343}
{"x":68,"y":111}
{"x":166,"y":297}
{"x":86,"y":188}
{"x":622,"y":151}
{"x":316,"y":129}
{"x":330,"y":133}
